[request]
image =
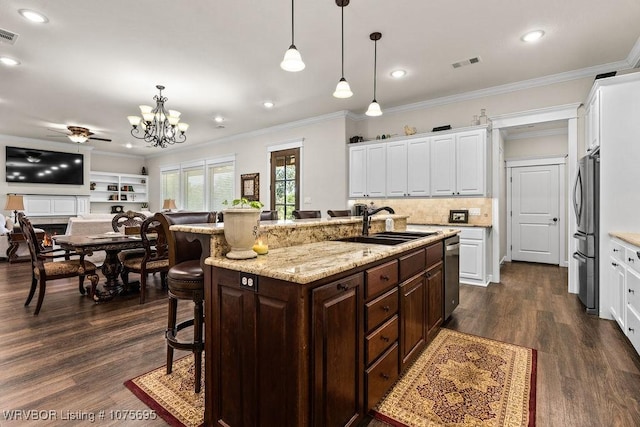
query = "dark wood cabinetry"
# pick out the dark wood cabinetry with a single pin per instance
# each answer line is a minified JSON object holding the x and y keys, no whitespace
{"x":337,"y":343}
{"x":317,"y":354}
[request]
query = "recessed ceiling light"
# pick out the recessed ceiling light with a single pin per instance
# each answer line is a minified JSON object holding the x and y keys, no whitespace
{"x":398,"y":74}
{"x":218,"y":119}
{"x":128,"y":145}
{"x":9,"y":61}
{"x":268,"y":104}
{"x":532,"y":36}
{"x":33,"y":16}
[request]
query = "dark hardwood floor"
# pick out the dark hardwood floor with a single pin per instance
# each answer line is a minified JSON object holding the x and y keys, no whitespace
{"x":76,"y":355}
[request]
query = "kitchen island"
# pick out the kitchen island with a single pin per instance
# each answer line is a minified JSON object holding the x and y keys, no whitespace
{"x":315,"y":333}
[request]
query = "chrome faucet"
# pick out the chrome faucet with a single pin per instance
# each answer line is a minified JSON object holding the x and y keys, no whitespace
{"x":366,"y":218}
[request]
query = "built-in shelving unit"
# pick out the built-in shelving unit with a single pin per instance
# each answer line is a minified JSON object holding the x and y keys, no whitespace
{"x":118,"y":188}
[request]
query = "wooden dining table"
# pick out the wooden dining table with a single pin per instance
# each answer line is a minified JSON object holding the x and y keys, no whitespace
{"x":111,"y":243}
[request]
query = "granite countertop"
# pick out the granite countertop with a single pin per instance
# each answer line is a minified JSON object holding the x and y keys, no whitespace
{"x":633,"y":238}
{"x":210,"y":228}
{"x":450,"y":224}
{"x":309,"y":262}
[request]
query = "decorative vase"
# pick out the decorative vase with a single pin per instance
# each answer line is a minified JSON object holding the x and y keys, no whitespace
{"x":240,"y":230}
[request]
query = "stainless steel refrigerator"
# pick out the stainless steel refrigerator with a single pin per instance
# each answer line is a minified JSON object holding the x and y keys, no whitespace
{"x":586,"y":191}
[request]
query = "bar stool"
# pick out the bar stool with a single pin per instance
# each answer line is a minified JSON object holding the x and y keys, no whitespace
{"x":185,"y":281}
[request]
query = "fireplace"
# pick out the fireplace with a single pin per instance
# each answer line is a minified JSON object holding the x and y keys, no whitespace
{"x":51,"y":230}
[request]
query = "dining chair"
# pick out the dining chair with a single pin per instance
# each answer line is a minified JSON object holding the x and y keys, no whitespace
{"x":335,"y":213}
{"x":185,"y":281}
{"x":269,"y":215}
{"x":306,"y":214}
{"x":44,"y":267}
{"x":154,"y":260}
{"x":128,"y":222}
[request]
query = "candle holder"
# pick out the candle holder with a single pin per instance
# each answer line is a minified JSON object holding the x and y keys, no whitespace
{"x":261,"y":245}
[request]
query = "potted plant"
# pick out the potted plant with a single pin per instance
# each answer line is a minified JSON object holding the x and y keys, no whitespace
{"x":241,"y":222}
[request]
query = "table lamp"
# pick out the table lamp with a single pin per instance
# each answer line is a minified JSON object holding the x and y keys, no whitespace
{"x":169,"y":204}
{"x":15,"y":204}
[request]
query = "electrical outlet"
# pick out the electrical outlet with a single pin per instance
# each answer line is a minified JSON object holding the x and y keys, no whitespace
{"x":249,"y":281}
{"x":474,"y":211}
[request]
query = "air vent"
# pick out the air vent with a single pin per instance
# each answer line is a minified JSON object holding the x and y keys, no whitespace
{"x":7,"y":36}
{"x":469,"y":61}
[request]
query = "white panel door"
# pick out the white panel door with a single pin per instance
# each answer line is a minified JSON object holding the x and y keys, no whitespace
{"x":357,"y":171}
{"x":397,"y":169}
{"x":418,"y":167}
{"x":471,"y":260}
{"x":535,"y":214}
{"x":618,"y":289}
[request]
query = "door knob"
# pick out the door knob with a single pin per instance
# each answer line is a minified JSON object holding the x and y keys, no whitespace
{"x":555,"y":219}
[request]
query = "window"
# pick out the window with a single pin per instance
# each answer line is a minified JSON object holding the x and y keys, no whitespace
{"x":285,"y":182}
{"x":193,"y":192}
{"x":170,"y":182}
{"x":221,"y":176}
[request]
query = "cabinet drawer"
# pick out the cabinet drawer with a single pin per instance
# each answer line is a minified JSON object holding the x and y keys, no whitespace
{"x":472,"y":233}
{"x":381,"y":376}
{"x":617,"y":250}
{"x":631,"y":259}
{"x":380,"y":309}
{"x":632,"y":290}
{"x":633,"y":328}
{"x":435,"y":253}
{"x":380,"y":339}
{"x":381,"y":278}
{"x":412,"y":264}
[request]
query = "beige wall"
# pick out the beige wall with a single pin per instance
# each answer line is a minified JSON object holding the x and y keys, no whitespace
{"x":548,"y":146}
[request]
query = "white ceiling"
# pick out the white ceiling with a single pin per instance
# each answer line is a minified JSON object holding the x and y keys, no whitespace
{"x":95,"y":61}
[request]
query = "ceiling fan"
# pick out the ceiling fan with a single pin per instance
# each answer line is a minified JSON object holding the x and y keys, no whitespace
{"x":80,"y":135}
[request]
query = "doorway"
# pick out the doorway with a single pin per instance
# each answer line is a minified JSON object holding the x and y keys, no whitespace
{"x":536,"y":215}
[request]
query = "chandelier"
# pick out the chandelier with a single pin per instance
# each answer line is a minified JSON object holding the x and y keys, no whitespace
{"x":160,"y":127}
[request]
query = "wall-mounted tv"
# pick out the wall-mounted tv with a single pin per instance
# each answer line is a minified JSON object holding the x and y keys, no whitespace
{"x":28,"y":165}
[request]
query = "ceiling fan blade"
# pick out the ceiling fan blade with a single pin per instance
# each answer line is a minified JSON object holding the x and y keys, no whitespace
{"x":99,"y":139}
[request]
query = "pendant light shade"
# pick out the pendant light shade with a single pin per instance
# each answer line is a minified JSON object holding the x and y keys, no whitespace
{"x":343,"y":90}
{"x":292,"y":59}
{"x":374,"y":108}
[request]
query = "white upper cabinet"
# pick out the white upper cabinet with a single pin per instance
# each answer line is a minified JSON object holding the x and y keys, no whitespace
{"x":397,"y":169}
{"x":592,"y":122}
{"x":418,"y":167}
{"x":458,"y":164}
{"x":367,"y":170}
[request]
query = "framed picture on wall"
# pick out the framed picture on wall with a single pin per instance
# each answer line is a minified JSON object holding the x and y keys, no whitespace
{"x":461,"y":216}
{"x":250,"y":186}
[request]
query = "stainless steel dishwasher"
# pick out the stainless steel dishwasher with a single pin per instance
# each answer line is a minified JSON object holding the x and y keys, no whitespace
{"x":452,"y":274}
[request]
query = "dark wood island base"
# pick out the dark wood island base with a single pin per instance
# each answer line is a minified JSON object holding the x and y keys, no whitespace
{"x":321,"y":353}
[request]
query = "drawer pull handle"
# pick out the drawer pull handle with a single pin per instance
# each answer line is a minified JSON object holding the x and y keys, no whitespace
{"x":631,"y":330}
{"x":384,"y":377}
{"x":386,"y":308}
{"x":343,"y":287}
{"x":614,"y":264}
{"x":632,"y":260}
{"x":384,"y":277}
{"x":616,"y":250}
{"x":383,"y":338}
{"x":631,"y":291}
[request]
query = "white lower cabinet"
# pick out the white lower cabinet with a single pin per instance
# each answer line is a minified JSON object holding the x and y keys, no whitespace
{"x":473,"y":257}
{"x":624,"y":278}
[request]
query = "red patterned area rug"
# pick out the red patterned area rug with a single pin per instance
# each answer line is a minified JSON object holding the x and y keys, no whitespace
{"x":465,"y":380}
{"x":171,"y":396}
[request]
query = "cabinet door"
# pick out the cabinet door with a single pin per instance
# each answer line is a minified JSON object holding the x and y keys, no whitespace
{"x":413,"y":319}
{"x":357,"y":171}
{"x":631,"y":293}
{"x":471,"y":260}
{"x":470,"y":163}
{"x":376,"y":170}
{"x":337,"y":353}
{"x":443,"y":165}
{"x":397,"y":169}
{"x":617,"y":280}
{"x":418,"y":167}
{"x":593,"y":122}
{"x":435,"y":296}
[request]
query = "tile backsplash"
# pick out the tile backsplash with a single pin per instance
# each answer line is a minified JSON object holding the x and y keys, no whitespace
{"x":436,"y":210}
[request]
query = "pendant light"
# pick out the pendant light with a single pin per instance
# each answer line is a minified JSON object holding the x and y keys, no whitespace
{"x":374,"y":107}
{"x":292,"y":60}
{"x":342,"y":89}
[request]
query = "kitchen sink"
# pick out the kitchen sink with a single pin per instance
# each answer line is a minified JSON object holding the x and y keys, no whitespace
{"x":390,"y":238}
